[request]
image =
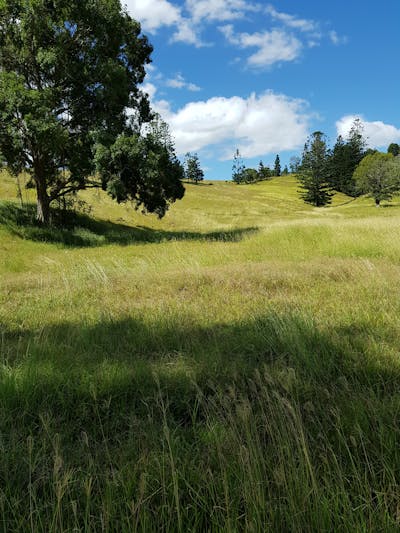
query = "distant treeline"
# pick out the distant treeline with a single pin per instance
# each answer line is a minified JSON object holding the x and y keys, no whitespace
{"x":349,"y":167}
{"x":241,"y":174}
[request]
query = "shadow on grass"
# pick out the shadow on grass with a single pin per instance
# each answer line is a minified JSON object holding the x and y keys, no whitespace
{"x":112,"y":398}
{"x":78,"y":230}
{"x":122,"y":357}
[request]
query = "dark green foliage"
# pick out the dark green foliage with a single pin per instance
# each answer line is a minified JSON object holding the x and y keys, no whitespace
{"x":394,"y":149}
{"x":139,"y":168}
{"x":250,"y":175}
{"x":313,"y":172}
{"x":285,"y":171}
{"x":69,"y":70}
{"x":345,"y":157}
{"x":378,"y":175}
{"x":277,"y":166}
{"x":264,"y":173}
{"x":193,"y":171}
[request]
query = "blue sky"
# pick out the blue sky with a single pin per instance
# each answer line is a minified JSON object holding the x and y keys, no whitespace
{"x":261,"y":76}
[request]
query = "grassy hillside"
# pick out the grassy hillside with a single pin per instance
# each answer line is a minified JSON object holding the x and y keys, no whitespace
{"x":232,"y":367}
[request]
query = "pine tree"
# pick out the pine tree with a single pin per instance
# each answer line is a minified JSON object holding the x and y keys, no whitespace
{"x":193,"y":171}
{"x":357,"y":145}
{"x":277,"y":166}
{"x":264,"y":173}
{"x":313,"y":172}
{"x":345,"y":157}
{"x":238,"y":168}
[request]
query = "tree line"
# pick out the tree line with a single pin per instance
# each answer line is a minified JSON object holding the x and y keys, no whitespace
{"x":242,"y":174}
{"x":349,"y":167}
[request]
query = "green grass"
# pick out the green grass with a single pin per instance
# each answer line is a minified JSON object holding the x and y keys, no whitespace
{"x":232,"y":367}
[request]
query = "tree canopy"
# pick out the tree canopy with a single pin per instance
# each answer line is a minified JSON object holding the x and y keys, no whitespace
{"x":378,"y":176}
{"x":394,"y":149}
{"x":71,"y":103}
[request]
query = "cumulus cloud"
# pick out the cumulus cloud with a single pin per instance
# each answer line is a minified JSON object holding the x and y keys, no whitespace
{"x":257,"y":125}
{"x":153,"y":14}
{"x":377,"y":133}
{"x":150,"y":89}
{"x":273,"y":46}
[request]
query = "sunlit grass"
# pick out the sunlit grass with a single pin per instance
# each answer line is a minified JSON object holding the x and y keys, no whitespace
{"x":232,"y":367}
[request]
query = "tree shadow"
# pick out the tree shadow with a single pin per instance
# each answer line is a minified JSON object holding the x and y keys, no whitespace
{"x":185,"y":352}
{"x":77,"y":230}
{"x":106,"y":398}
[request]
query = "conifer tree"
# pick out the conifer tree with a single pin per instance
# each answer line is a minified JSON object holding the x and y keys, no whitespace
{"x":313,"y":172}
{"x":345,"y":157}
{"x":277,"y":166}
{"x":263,"y":172}
{"x":193,"y":171}
{"x":238,"y":168}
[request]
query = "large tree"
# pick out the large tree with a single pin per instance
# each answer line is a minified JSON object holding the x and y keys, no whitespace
{"x":378,"y":176}
{"x":71,"y":104}
{"x":193,"y":170}
{"x":313,"y":171}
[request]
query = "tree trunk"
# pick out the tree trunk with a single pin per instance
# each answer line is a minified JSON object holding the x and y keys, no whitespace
{"x":43,"y":203}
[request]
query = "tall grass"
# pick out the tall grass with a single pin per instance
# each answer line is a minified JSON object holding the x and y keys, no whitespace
{"x":234,"y":367}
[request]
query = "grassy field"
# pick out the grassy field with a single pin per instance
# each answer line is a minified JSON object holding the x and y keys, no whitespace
{"x":232,"y":367}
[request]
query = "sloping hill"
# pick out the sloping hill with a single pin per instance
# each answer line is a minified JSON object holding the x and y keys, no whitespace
{"x":233,"y":366}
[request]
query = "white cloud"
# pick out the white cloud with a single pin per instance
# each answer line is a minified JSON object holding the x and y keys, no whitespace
{"x":377,"y":133}
{"x":179,"y":82}
{"x":291,"y":20}
{"x":273,"y":46}
{"x":190,"y":18}
{"x":153,"y":14}
{"x":219,"y":10}
{"x":258,"y":125}
{"x":187,"y":33}
{"x":150,"y":89}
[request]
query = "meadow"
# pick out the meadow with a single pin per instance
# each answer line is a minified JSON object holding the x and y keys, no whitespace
{"x":232,"y":367}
